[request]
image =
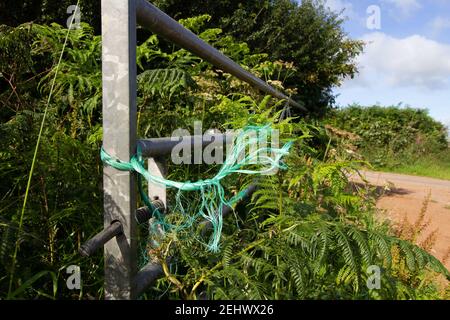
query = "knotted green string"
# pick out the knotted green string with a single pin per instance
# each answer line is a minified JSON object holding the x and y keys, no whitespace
{"x":211,"y":191}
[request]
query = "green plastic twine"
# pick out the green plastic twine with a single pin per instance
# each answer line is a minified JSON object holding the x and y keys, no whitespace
{"x":211,"y":191}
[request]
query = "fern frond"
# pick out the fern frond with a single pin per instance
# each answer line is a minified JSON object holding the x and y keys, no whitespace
{"x":382,"y":246}
{"x":361,"y":241}
{"x":164,"y":82}
{"x":342,"y":241}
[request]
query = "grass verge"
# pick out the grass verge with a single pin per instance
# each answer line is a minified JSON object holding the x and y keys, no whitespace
{"x":434,"y":166}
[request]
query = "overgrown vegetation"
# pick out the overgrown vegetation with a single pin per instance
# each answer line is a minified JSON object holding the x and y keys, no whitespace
{"x":305,"y":234}
{"x":403,"y":140}
{"x":309,"y":35}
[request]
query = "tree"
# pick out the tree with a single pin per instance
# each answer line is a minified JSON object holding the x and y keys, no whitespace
{"x":308,"y":34}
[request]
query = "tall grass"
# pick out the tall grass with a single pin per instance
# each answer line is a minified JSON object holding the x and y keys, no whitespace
{"x":434,"y":165}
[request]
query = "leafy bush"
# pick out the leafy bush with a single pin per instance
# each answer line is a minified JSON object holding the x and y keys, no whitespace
{"x":390,"y":136}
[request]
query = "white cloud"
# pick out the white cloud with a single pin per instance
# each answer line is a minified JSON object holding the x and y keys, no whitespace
{"x":404,"y":7}
{"x":415,"y":62}
{"x":438,"y":25}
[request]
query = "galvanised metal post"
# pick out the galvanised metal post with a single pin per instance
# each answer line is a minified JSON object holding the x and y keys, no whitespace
{"x":119,"y":140}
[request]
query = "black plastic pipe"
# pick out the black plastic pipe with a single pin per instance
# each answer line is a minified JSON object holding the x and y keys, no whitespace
{"x":144,"y":214}
{"x":147,"y":276}
{"x":99,"y":240}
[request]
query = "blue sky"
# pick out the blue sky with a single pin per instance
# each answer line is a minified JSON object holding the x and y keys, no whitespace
{"x":407,"y":56}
